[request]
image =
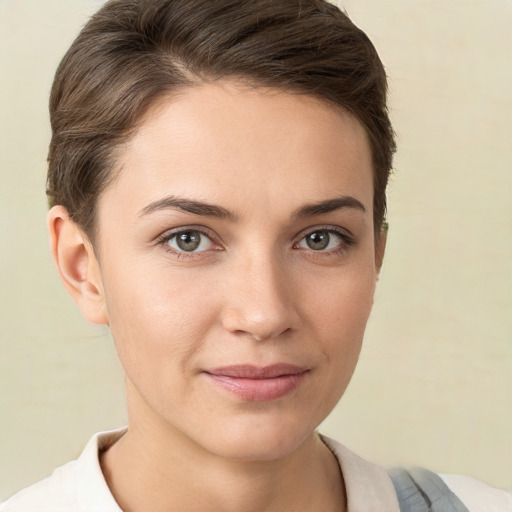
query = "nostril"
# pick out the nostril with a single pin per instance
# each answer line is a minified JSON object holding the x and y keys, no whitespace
{"x":262,"y":333}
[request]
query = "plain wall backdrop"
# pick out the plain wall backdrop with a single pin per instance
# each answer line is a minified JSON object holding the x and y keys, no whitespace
{"x":434,"y":382}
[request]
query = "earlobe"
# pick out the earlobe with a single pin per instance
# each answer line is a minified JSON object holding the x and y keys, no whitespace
{"x":77,"y":265}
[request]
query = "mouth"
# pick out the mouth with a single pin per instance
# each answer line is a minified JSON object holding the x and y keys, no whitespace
{"x":258,"y":384}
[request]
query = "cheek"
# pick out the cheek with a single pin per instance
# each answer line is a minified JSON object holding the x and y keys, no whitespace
{"x":343,"y":302}
{"x":157,"y":318}
{"x":339,"y":316}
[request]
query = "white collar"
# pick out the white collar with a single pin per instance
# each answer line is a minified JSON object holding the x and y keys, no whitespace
{"x":368,"y":487}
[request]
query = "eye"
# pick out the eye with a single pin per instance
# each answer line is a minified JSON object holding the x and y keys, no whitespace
{"x":322,"y":240}
{"x":190,"y":240}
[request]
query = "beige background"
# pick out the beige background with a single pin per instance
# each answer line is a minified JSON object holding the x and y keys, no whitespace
{"x":434,"y":384}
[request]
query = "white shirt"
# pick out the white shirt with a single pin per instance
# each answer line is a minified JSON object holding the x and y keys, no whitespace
{"x":79,"y":486}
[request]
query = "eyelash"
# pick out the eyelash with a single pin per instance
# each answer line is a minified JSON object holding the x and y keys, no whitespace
{"x":346,"y":241}
{"x":164,"y":240}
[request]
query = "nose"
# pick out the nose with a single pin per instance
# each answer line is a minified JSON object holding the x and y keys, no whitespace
{"x":260,"y":301}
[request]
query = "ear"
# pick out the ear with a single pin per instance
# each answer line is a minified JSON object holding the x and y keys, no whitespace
{"x":380,"y":245}
{"x":77,"y":265}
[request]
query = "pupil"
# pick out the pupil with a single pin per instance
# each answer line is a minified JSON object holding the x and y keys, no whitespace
{"x":188,"y":241}
{"x":318,"y":240}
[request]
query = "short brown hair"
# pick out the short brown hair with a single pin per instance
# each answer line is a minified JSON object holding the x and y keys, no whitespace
{"x":132,"y":52}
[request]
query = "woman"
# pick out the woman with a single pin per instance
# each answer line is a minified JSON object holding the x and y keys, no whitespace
{"x":217,"y":177}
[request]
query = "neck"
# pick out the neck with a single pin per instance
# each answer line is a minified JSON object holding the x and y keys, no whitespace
{"x":153,"y":467}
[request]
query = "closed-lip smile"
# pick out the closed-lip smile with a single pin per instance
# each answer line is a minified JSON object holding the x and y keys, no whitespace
{"x":257,"y":383}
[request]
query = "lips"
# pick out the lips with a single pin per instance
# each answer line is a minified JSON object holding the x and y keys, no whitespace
{"x":259,"y":384}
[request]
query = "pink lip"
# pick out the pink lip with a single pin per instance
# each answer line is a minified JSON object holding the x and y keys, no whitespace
{"x":258,"y":384}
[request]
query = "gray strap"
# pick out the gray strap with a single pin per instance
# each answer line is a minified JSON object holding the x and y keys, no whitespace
{"x":420,"y":490}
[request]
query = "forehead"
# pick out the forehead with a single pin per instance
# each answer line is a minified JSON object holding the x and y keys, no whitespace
{"x":236,"y":146}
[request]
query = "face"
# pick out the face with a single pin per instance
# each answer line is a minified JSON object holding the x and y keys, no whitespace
{"x":237,"y":257}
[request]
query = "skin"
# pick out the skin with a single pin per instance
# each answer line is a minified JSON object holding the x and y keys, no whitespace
{"x":254,"y":292}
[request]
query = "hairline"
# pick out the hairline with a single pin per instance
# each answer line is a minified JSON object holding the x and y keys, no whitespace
{"x":196,"y":82}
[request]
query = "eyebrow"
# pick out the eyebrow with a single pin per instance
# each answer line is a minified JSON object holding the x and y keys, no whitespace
{"x":329,"y":206}
{"x":190,"y":206}
{"x":211,"y":210}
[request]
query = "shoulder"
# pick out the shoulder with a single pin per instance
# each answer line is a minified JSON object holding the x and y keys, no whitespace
{"x":477,"y":496}
{"x":78,"y":486}
{"x":457,"y":492}
{"x":53,"y":494}
{"x":446,"y":493}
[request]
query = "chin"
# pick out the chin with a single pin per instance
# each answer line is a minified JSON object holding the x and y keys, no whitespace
{"x":262,"y":439}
